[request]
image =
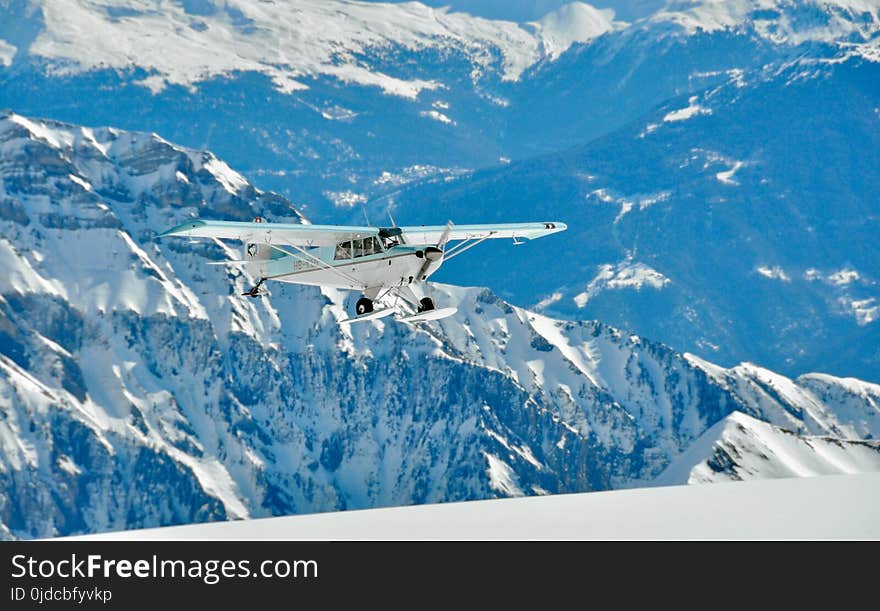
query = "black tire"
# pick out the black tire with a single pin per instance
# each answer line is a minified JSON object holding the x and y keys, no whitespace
{"x":426,"y":304}
{"x":364,"y":306}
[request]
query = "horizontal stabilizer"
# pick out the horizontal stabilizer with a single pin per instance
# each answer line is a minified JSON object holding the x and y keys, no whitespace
{"x":233,"y":263}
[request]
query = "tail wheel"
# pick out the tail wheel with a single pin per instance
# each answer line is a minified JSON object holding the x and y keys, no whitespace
{"x":364,"y":306}
{"x":426,"y":304}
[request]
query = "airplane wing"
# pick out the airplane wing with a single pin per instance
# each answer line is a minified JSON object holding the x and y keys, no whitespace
{"x":530,"y":231}
{"x":330,"y":235}
{"x":271,"y":233}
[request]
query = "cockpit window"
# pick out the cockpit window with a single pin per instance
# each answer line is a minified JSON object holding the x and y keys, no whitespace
{"x":372,"y":246}
{"x":343,"y":250}
{"x":352,"y":249}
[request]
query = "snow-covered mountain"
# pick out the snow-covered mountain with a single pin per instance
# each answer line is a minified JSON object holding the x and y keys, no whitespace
{"x":185,"y":43}
{"x":740,"y":447}
{"x":137,"y":388}
{"x":318,"y":99}
{"x":716,"y":161}
{"x":739,"y":223}
{"x":323,"y":99}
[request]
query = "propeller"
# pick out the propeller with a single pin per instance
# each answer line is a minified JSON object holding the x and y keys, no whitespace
{"x":434,"y":254}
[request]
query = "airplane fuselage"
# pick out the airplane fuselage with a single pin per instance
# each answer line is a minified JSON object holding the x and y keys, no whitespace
{"x":397,"y":266}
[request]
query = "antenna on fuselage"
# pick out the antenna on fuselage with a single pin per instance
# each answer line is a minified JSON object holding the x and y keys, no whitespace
{"x":366,"y":218}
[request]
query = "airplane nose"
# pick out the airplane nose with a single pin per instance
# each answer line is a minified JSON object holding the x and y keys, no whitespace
{"x":432,"y":253}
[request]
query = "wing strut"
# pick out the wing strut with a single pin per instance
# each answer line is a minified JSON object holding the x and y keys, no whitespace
{"x":460,"y":248}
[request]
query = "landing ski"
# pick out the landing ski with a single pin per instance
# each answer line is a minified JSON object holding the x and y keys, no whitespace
{"x":427,"y":315}
{"x":368,"y":316}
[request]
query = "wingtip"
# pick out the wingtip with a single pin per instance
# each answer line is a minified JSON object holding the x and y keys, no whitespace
{"x":182,"y":229}
{"x":554,"y":227}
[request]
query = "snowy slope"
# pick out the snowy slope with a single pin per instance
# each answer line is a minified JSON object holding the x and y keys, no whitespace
{"x":743,"y":448}
{"x":572,"y":23}
{"x":138,"y":388}
{"x":185,"y":43}
{"x":780,"y":21}
{"x":840,"y":507}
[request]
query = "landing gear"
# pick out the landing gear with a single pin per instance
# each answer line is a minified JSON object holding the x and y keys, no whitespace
{"x":255,"y":292}
{"x":363,"y":306}
{"x":425,"y":304}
